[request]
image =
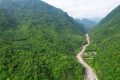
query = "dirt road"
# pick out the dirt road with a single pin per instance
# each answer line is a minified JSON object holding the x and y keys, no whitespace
{"x":90,"y":74}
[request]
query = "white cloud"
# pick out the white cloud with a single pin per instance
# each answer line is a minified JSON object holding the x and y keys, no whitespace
{"x":85,"y":8}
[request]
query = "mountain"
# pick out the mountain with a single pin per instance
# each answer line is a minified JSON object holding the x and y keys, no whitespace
{"x":96,"y":19}
{"x":88,"y":24}
{"x":106,"y":42}
{"x":38,"y":42}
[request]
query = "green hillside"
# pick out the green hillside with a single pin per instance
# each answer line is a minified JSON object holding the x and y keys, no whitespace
{"x":106,"y":42}
{"x":38,"y":42}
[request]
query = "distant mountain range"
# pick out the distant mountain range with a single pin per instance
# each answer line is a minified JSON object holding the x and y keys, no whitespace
{"x":95,"y":19}
{"x":88,"y":24}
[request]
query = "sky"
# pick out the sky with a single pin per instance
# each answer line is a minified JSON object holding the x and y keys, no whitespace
{"x":85,"y":8}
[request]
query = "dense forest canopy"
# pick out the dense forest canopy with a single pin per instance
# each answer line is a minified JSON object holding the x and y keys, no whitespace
{"x":38,"y":42}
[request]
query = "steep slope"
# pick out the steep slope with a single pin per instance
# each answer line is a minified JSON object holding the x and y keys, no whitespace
{"x":106,"y":42}
{"x":40,"y":43}
{"x":5,"y":20}
{"x":88,"y":24}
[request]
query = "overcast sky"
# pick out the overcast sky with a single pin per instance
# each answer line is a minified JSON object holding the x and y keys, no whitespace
{"x":85,"y":8}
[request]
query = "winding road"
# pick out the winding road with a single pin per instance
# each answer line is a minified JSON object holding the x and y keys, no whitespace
{"x":90,"y":74}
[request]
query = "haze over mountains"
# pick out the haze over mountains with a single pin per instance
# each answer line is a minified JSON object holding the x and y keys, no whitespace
{"x":88,"y":24}
{"x":96,"y":19}
{"x":40,"y":42}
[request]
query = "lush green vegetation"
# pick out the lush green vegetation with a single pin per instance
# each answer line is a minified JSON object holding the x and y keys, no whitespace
{"x":38,"y":42}
{"x":106,"y":42}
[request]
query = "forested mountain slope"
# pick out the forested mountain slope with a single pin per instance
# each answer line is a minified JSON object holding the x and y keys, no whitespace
{"x":106,"y":42}
{"x":38,"y":42}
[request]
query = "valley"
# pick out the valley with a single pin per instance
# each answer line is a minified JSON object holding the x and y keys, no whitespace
{"x":89,"y":73}
{"x":39,"y":41}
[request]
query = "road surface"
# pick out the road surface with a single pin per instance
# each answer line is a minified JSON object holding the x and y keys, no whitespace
{"x":90,"y":74}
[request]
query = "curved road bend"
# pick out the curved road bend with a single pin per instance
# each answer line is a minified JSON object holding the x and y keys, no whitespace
{"x":90,"y":74}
